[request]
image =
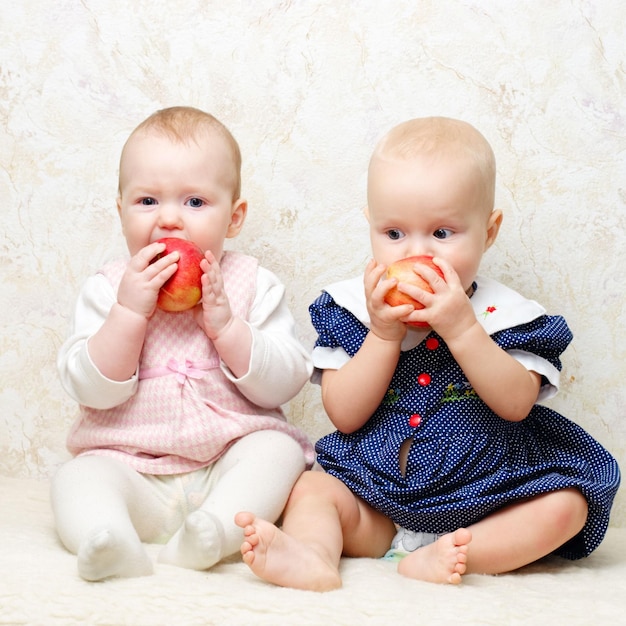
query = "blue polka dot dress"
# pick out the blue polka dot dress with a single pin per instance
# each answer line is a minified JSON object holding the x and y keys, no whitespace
{"x":464,"y":461}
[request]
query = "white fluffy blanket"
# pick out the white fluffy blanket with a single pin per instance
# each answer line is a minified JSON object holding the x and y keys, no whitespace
{"x":39,"y":585}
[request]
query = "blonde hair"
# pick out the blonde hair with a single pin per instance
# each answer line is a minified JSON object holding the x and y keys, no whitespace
{"x":443,"y":137}
{"x":184,"y":124}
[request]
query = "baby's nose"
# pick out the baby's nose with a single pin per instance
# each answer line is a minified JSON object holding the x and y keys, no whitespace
{"x":169,"y":215}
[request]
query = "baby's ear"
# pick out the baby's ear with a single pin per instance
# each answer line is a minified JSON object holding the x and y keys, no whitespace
{"x":366,"y":212}
{"x":118,"y":203}
{"x":493,"y":227}
{"x":237,"y":217}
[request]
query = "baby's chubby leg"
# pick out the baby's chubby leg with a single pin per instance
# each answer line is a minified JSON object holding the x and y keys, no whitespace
{"x":96,"y":503}
{"x":323,"y":519}
{"x":525,"y":531}
{"x":506,"y":540}
{"x":257,"y":474}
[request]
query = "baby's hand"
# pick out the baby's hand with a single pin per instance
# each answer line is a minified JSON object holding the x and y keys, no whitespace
{"x":385,"y":320}
{"x":447,"y":309}
{"x":214,"y":313}
{"x":140,"y":284}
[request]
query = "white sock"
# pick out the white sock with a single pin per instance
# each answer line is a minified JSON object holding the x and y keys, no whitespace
{"x":197,"y":544}
{"x":102,"y":555}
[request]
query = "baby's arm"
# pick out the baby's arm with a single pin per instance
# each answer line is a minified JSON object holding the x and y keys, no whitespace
{"x":230,"y":335}
{"x":104,"y":336}
{"x":277,"y":365}
{"x":352,"y":393}
{"x":502,"y":382}
{"x":116,"y":345}
{"x":80,"y":378}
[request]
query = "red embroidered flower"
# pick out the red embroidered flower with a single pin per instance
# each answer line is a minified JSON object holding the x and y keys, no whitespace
{"x":488,"y":310}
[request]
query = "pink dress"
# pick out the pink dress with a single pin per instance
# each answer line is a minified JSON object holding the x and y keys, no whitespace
{"x":186,"y":412}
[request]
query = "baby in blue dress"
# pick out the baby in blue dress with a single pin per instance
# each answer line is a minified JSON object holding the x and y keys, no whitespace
{"x":442,"y":449}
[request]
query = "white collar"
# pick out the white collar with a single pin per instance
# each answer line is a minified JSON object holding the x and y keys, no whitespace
{"x":496,"y":306}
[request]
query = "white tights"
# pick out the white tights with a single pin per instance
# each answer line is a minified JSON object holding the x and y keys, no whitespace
{"x":104,"y":509}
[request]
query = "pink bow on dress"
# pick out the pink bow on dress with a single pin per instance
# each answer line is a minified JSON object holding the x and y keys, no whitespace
{"x":183,"y":371}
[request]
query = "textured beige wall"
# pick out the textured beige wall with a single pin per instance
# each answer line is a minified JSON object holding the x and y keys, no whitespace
{"x":307,"y":88}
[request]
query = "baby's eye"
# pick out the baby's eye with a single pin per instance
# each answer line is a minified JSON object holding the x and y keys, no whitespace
{"x":442,"y":233}
{"x":395,"y":234}
{"x":195,"y":203}
{"x":148,"y":201}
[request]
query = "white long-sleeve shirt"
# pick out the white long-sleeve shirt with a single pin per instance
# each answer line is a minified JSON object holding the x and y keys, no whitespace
{"x":279,"y":367}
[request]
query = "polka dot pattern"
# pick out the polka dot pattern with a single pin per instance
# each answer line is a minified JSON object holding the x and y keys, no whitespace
{"x":464,"y":462}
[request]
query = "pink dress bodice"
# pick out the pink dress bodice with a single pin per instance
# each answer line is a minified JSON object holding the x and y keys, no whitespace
{"x":186,"y":412}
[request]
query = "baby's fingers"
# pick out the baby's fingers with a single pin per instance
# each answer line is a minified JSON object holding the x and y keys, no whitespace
{"x":372,"y":278}
{"x":450,"y":277}
{"x":146,"y":256}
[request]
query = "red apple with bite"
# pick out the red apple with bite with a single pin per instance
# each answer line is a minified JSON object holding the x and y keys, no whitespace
{"x":403,"y":272}
{"x":184,"y":289}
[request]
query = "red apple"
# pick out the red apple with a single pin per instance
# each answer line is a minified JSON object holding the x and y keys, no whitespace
{"x":183,"y":290}
{"x":403,"y":271}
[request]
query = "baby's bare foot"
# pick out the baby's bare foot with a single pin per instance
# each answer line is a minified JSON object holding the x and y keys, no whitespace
{"x":103,"y":555}
{"x":281,"y":559}
{"x":443,"y":561}
{"x":197,"y":544}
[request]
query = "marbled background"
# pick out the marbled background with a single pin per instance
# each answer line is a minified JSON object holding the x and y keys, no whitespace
{"x":308,"y":87}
